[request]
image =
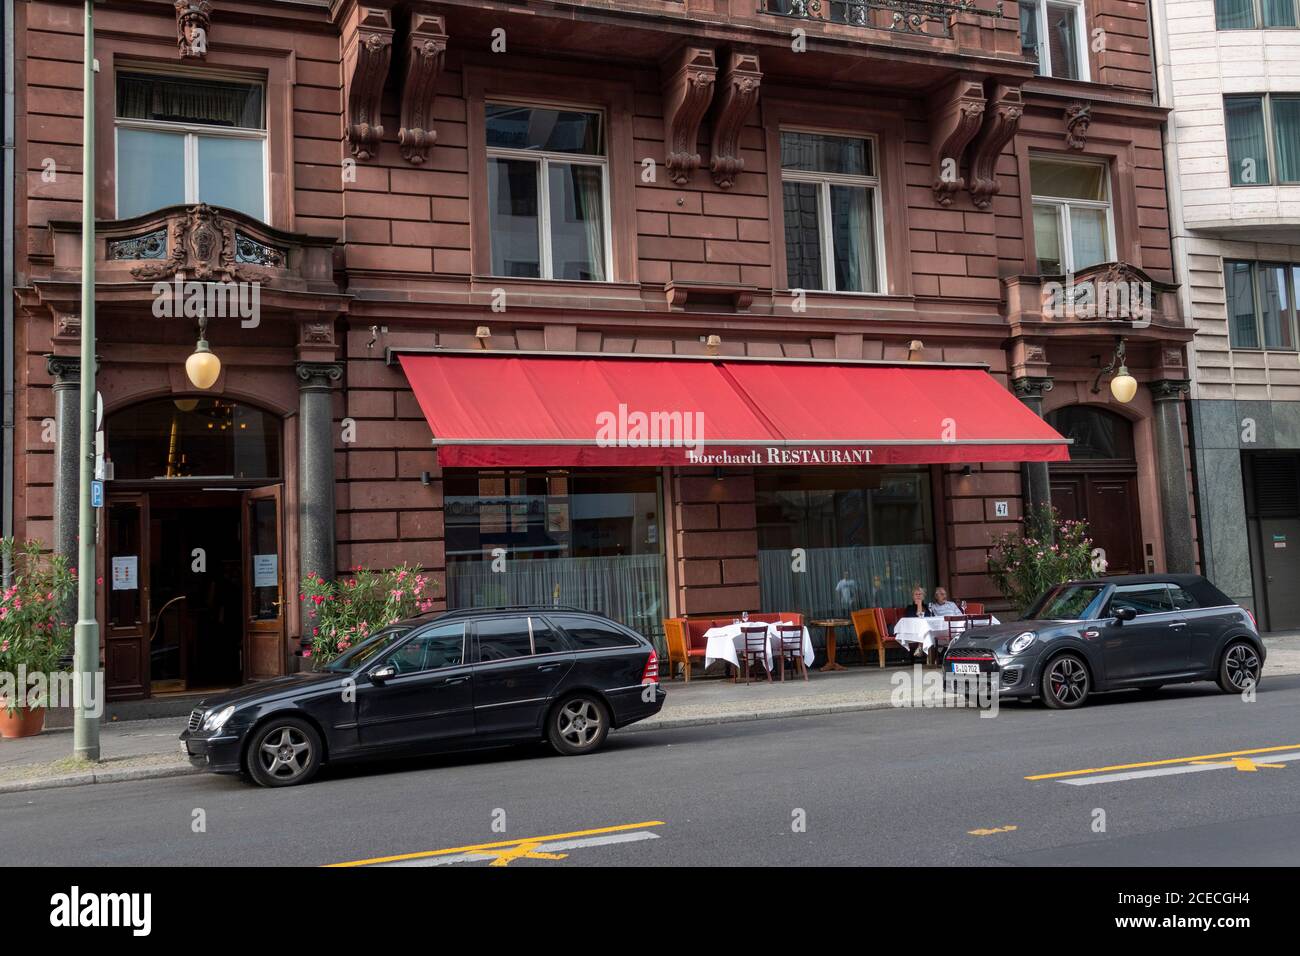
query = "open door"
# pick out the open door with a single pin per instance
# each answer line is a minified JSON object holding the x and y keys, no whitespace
{"x":263,"y":584}
{"x":126,"y":597}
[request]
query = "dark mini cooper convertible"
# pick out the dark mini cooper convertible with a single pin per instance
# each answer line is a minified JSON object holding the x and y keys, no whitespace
{"x":460,"y":679}
{"x":1139,"y":630}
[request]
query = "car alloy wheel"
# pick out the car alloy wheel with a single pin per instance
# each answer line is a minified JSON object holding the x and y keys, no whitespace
{"x":579,"y":725}
{"x":284,"y":753}
{"x":1240,"y":667}
{"x":1065,"y":684}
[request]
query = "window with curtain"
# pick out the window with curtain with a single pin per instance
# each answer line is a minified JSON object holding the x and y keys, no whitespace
{"x":188,"y":140}
{"x":830,"y":195}
{"x":547,"y":186}
{"x":1260,"y":299}
{"x":1255,"y":14}
{"x":1263,"y":133}
{"x":588,"y":539}
{"x":1072,"y":214}
{"x":1052,"y":32}
{"x":867,"y":537}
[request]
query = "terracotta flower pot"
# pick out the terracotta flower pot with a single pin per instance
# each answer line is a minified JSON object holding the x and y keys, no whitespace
{"x":23,"y":722}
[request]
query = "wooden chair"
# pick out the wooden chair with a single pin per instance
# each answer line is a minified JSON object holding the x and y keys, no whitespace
{"x":869,"y":624}
{"x":790,"y":644}
{"x":679,"y":648}
{"x":959,"y":624}
{"x":754,"y":646}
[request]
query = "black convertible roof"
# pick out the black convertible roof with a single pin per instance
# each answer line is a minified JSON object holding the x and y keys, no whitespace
{"x":1206,"y":594}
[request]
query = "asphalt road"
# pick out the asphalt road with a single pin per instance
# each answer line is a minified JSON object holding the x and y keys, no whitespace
{"x":894,"y":787}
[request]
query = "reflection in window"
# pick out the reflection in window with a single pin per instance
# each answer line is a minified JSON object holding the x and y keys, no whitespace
{"x":868,"y":537}
{"x":193,"y":438}
{"x":1071,"y":214}
{"x":590,"y":540}
{"x":1097,"y":432}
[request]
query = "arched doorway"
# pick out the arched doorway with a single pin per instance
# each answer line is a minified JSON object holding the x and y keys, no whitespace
{"x":1099,"y":483}
{"x":192,"y":547}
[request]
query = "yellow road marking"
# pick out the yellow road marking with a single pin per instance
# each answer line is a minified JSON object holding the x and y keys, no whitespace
{"x":1162,"y":763}
{"x":1006,"y":829}
{"x":481,"y":847}
{"x":522,"y":851}
{"x":1241,"y":763}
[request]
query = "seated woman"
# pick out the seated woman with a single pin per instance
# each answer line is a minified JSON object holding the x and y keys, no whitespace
{"x":942,"y":606}
{"x":915,"y":609}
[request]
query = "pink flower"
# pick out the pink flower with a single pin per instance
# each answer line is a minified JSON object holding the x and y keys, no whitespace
{"x":306,"y":653}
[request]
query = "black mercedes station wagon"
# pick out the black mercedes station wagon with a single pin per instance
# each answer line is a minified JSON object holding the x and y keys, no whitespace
{"x":1137,"y":630}
{"x":459,"y":679}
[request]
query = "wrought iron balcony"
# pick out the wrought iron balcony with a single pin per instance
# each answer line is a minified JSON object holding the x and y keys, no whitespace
{"x":932,"y":18}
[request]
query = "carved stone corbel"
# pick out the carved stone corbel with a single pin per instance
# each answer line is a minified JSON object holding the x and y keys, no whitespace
{"x":739,"y":94}
{"x":367,"y":49}
{"x":1000,"y":123}
{"x":955,"y":116}
{"x":1078,"y":117}
{"x":426,"y":48}
{"x":688,"y":90}
{"x":193,"y":21}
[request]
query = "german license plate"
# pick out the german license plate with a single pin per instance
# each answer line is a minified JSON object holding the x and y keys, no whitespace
{"x":965,"y":668}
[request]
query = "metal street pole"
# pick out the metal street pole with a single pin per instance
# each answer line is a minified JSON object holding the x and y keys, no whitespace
{"x":85,"y":728}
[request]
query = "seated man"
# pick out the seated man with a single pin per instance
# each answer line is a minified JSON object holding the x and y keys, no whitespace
{"x":941,"y":606}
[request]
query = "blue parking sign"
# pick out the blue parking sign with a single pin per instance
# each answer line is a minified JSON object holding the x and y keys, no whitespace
{"x":96,"y":494}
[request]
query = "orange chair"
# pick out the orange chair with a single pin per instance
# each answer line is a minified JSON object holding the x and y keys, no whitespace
{"x":973,"y":607}
{"x":679,"y":649}
{"x":872,"y":632}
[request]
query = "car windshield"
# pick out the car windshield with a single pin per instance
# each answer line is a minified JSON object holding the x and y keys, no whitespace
{"x":369,"y":650}
{"x":1065,"y":602}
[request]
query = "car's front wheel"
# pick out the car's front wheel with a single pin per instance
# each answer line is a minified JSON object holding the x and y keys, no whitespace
{"x":578,"y":725}
{"x":284,"y":751}
{"x":1240,"y":668}
{"x":1065,"y":682}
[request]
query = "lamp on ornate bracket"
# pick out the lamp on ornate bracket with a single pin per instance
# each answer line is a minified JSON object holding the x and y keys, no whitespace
{"x":1123,"y":386}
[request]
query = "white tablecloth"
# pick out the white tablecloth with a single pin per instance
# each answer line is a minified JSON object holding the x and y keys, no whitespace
{"x":926,"y":631}
{"x":726,"y":642}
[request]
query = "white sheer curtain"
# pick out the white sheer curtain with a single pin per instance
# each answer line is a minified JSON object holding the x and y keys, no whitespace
{"x":885,"y":576}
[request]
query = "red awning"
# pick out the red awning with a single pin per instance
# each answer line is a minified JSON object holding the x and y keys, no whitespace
{"x":499,"y":410}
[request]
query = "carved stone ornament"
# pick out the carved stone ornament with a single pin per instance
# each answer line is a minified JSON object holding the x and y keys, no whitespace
{"x":1078,"y":117}
{"x":956,"y":115}
{"x":1000,"y":123}
{"x":367,"y":52}
{"x":67,"y":324}
{"x":688,"y":90}
{"x":739,"y":94}
{"x":426,"y":48}
{"x":316,"y":333}
{"x":193,"y":21}
{"x":1172,"y":357}
{"x":206,"y":246}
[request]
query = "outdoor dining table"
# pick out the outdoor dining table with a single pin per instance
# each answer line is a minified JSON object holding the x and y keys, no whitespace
{"x":925,"y":631}
{"x":725,"y":643}
{"x":830,"y":624}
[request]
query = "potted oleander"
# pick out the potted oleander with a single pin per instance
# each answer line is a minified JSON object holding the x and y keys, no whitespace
{"x":1049,"y":552}
{"x":346,"y":611}
{"x":35,"y":637}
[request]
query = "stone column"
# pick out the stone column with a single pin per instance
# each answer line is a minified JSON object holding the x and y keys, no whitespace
{"x":316,"y":538}
{"x":66,"y":372}
{"x":1035,"y":480}
{"x":1171,"y":471}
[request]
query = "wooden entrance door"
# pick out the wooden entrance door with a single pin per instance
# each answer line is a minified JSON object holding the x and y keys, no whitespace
{"x":1109,"y":503}
{"x":124,"y":556}
{"x":264,"y":602}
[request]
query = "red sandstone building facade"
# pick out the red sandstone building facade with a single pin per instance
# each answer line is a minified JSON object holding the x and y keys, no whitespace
{"x":855,"y":188}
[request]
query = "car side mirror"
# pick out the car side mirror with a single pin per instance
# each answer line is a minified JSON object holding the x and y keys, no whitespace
{"x":381,"y":674}
{"x":1124,"y":614}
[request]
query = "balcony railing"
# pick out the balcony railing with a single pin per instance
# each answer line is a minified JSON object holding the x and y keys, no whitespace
{"x":918,"y":17}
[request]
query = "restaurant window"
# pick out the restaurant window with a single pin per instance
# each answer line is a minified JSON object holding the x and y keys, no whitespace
{"x":1072,"y":215}
{"x":865,"y":538}
{"x":1263,"y":133}
{"x":831,"y":200}
{"x":193,"y":438}
{"x":590,"y":540}
{"x":187,"y":140}
{"x":1260,"y":300}
{"x":1255,"y":14}
{"x":1052,"y":33}
{"x":547,"y":193}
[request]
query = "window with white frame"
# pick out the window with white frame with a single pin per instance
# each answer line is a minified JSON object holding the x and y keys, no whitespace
{"x":1255,"y":14}
{"x":1073,"y":228}
{"x":548,"y":193}
{"x":1054,"y":33}
{"x":831,"y":198}
{"x":187,"y":140}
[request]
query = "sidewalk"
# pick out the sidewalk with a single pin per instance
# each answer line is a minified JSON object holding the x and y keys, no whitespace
{"x":142,"y":749}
